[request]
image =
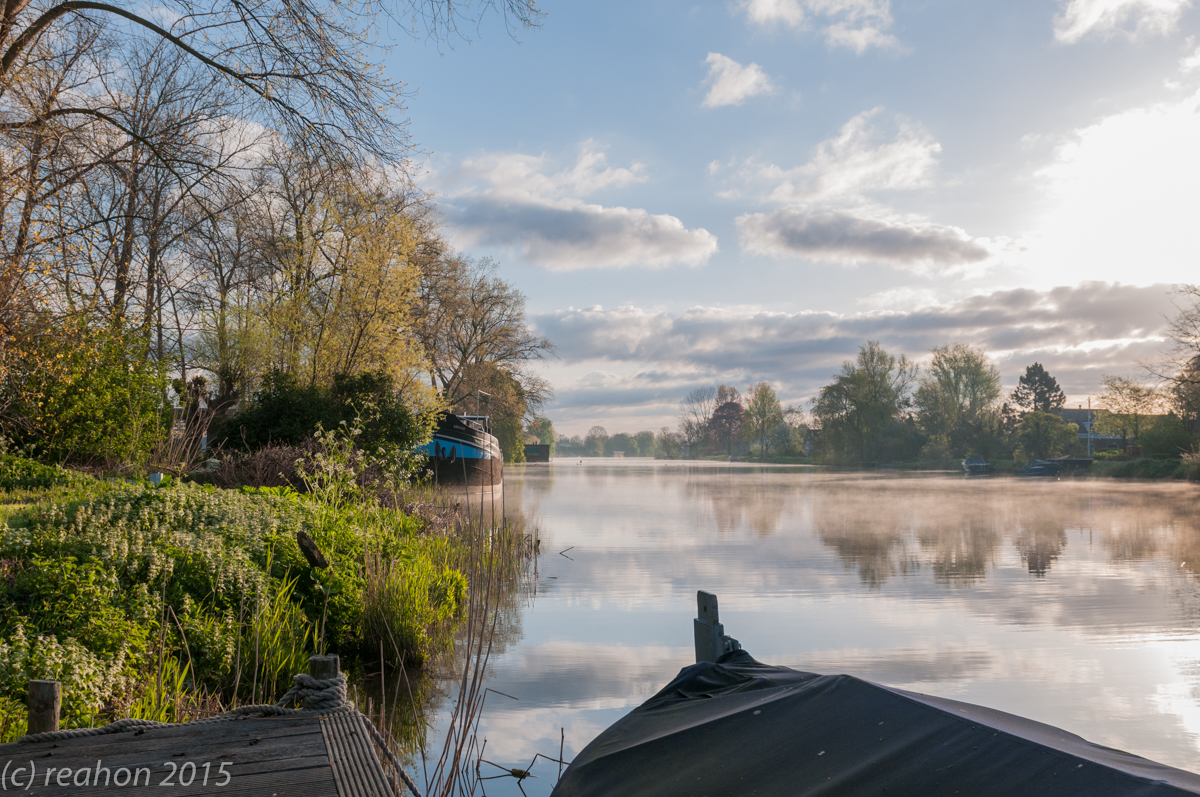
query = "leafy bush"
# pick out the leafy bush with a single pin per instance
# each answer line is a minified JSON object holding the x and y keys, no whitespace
{"x":84,"y":393}
{"x":1043,"y":435}
{"x":1190,"y":467}
{"x":1139,"y":469}
{"x":285,"y":412}
{"x":145,"y":602}
{"x":89,"y":679}
{"x":13,"y":719}
{"x":19,"y":472}
{"x":1166,"y":436}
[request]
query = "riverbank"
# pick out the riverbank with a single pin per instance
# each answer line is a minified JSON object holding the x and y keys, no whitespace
{"x":168,"y":602}
{"x":1142,"y":468}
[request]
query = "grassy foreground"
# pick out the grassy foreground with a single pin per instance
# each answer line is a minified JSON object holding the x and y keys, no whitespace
{"x":168,"y":602}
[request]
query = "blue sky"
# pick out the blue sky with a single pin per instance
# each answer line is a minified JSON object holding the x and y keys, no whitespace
{"x":742,"y":191}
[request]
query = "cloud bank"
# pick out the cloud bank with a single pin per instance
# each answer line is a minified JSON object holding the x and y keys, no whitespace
{"x":637,"y":363}
{"x":514,"y":201}
{"x":853,"y":237}
{"x":830,"y":204}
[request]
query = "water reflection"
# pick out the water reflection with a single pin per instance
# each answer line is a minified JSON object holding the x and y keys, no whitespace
{"x":736,"y":504}
{"x":1075,"y":603}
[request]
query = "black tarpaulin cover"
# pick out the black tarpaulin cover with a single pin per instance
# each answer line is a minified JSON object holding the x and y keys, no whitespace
{"x":739,"y":727}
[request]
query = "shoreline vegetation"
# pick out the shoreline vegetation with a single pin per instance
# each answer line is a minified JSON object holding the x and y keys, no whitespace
{"x":1125,"y":467}
{"x":179,"y":600}
{"x":1110,"y":467}
{"x":886,"y":411}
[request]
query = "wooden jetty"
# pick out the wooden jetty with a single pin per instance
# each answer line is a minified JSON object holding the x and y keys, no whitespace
{"x":332,"y":755}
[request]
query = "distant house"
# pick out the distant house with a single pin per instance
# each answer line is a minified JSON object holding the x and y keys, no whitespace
{"x":618,"y":454}
{"x":1085,"y":419}
{"x":536,"y":452}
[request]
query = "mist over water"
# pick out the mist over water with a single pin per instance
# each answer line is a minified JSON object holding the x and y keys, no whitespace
{"x":1075,"y":603}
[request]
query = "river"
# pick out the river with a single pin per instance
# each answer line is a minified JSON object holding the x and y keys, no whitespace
{"x":1076,"y":603}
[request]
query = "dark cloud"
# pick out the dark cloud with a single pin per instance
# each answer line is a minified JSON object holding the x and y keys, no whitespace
{"x":1078,"y":333}
{"x":570,"y":235}
{"x":849,"y":236}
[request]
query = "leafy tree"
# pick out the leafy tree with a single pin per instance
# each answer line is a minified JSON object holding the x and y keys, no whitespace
{"x":726,"y":424}
{"x":83,"y":393}
{"x":994,"y":437}
{"x":1184,"y":398}
{"x":1166,"y":436}
{"x":507,"y":430}
{"x":622,"y":442}
{"x":543,"y":430}
{"x":855,"y":410}
{"x":1128,"y":403}
{"x":668,"y":444}
{"x":960,"y":386}
{"x":1044,"y":435}
{"x":1179,"y":365}
{"x":570,"y":446}
{"x":726,"y":394}
{"x":490,"y":390}
{"x":597,"y":436}
{"x":764,"y":416}
{"x":1038,"y":391}
{"x":647,"y":445}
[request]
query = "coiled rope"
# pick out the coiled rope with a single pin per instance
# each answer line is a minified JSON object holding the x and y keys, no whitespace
{"x":316,"y":697}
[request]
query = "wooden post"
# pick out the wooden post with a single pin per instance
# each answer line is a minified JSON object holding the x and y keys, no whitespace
{"x":324,"y":667}
{"x":711,"y":640}
{"x":45,"y":700}
{"x":707,"y":627}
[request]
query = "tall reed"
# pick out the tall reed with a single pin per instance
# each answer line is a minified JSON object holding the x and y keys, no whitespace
{"x":496,"y":560}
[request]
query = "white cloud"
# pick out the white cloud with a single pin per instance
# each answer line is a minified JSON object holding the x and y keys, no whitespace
{"x":765,"y":12}
{"x":1137,"y":18}
{"x":523,"y":177}
{"x":1191,"y":63}
{"x":830,"y":211}
{"x":851,"y":237}
{"x":514,"y":200}
{"x":854,"y":24}
{"x":1121,"y":199}
{"x":730,"y":83}
{"x":856,"y":162}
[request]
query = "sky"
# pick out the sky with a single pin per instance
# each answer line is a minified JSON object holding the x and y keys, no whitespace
{"x":733,"y":192}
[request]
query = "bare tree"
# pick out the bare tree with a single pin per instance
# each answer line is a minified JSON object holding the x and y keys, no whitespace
{"x":695,"y":413}
{"x":467,"y":316}
{"x":299,"y":66}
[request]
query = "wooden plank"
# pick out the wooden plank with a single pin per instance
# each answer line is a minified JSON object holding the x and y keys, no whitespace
{"x":169,"y":741}
{"x":356,"y":768}
{"x":276,"y":757}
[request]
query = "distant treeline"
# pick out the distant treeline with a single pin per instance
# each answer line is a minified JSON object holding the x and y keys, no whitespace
{"x":882,"y":408}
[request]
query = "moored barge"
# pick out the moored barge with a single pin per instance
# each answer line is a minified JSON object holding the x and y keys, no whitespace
{"x":464,"y":451}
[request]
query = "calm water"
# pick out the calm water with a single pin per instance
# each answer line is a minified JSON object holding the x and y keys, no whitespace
{"x":1075,"y":603}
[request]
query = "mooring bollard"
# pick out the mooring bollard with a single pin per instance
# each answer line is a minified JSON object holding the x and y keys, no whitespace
{"x":45,"y":700}
{"x":711,"y":639}
{"x":324,"y":667}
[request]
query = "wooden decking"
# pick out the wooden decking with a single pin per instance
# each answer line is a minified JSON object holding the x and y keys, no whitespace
{"x":330,"y":756}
